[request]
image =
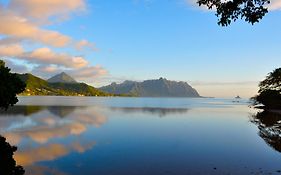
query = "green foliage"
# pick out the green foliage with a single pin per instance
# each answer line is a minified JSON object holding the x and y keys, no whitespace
{"x":2,"y":63}
{"x":152,"y":88}
{"x":270,"y":91}
{"x":252,"y":11}
{"x":7,"y":163}
{"x":38,"y":86}
{"x":10,"y":86}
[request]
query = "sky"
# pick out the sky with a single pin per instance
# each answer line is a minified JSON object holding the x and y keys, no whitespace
{"x":100,"y":42}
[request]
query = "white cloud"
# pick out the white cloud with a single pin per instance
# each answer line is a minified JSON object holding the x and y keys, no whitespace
{"x":43,"y":56}
{"x":29,"y":31}
{"x":42,"y":10}
{"x":85,"y":44}
{"x":90,"y":72}
{"x":19,"y":68}
{"x":11,"y":50}
{"x":24,"y":23}
{"x":47,"y":56}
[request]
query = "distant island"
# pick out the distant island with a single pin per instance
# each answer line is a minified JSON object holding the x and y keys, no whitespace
{"x":64,"y":85}
{"x":152,"y":88}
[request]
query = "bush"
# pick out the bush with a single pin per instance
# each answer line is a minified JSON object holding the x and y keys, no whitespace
{"x":271,"y":99}
{"x":10,"y":86}
{"x":7,"y":163}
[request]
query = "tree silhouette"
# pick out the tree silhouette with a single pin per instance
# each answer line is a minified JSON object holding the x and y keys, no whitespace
{"x":252,"y":11}
{"x":272,"y":81}
{"x":270,"y":91}
{"x":10,"y":86}
{"x":7,"y":163}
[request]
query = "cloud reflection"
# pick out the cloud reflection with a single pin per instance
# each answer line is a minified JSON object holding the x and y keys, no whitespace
{"x":42,"y":128}
{"x":42,"y":170}
{"x":52,"y":133}
{"x":50,"y":152}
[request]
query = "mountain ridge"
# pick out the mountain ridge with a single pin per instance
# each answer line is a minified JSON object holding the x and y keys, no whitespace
{"x":39,"y":86}
{"x":152,"y":88}
{"x":64,"y":85}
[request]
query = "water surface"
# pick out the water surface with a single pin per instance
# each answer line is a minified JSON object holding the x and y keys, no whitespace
{"x":110,"y":136}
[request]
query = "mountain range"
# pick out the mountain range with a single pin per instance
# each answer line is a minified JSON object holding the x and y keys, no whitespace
{"x":152,"y":88}
{"x":64,"y":85}
{"x":59,"y":85}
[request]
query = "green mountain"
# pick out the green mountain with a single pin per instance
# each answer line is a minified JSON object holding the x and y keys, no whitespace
{"x":62,"y":78}
{"x":38,"y":86}
{"x":152,"y":88}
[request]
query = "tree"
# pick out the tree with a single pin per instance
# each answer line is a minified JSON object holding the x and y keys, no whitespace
{"x":271,"y":99}
{"x":7,"y":163}
{"x":252,"y":11}
{"x":10,"y":86}
{"x":270,"y":90}
{"x":272,"y":81}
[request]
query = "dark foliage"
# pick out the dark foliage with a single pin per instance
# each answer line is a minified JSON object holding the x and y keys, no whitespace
{"x":10,"y":86}
{"x":270,"y":91}
{"x":271,"y":99}
{"x":7,"y":163}
{"x":269,"y":128}
{"x":252,"y":11}
{"x":272,"y":81}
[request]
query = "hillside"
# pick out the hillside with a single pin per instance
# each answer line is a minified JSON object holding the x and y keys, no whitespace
{"x":152,"y":88}
{"x":38,"y":86}
{"x":61,"y":78}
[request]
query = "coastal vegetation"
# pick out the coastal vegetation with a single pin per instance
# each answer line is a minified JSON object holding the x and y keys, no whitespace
{"x":8,"y":165}
{"x":270,"y":91}
{"x":10,"y":86}
{"x":38,"y":86}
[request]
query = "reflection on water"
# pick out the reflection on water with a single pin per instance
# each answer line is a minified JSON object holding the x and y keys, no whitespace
{"x":269,"y":124}
{"x":40,"y":136}
{"x":60,"y":111}
{"x":161,"y":112}
{"x":115,"y":136}
{"x":21,"y":110}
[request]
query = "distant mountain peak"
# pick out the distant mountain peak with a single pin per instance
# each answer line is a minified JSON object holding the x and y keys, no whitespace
{"x":62,"y":78}
{"x":153,"y":88}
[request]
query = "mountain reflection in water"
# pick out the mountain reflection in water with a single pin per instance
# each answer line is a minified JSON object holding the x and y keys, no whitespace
{"x":269,"y":124}
{"x":113,"y":136}
{"x":60,"y":111}
{"x":161,"y":112}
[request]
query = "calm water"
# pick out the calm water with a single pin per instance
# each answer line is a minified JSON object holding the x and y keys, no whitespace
{"x":148,"y":136}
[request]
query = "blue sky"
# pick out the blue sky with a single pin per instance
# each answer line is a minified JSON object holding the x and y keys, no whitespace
{"x":148,"y":39}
